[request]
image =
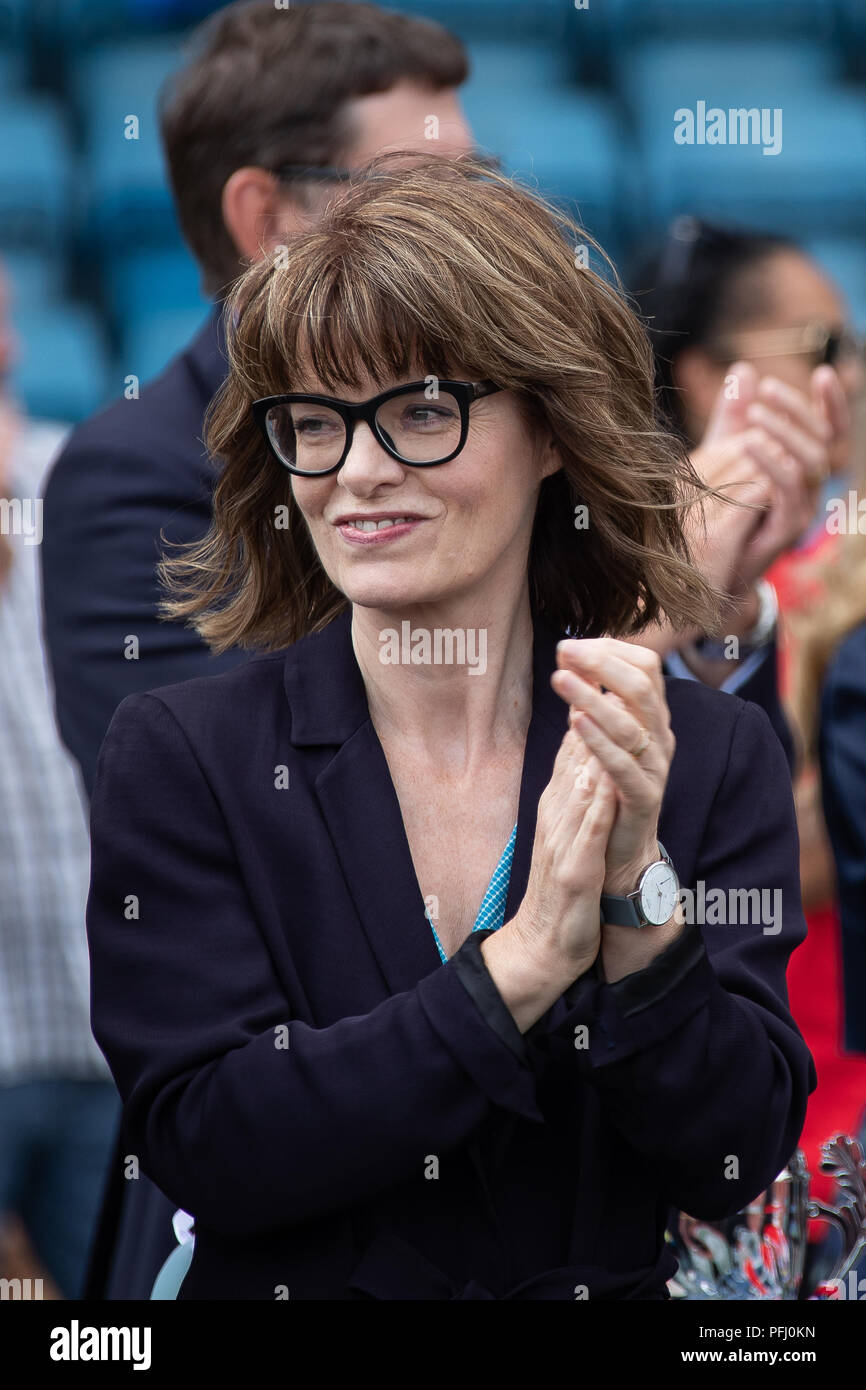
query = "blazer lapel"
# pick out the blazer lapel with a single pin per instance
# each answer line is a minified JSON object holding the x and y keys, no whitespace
{"x":359,"y":803}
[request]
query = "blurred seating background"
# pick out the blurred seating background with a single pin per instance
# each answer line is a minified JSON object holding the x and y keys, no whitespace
{"x":580,"y":101}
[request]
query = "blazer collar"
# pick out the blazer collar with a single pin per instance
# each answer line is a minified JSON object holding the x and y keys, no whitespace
{"x":206,"y":353}
{"x":328,"y":704}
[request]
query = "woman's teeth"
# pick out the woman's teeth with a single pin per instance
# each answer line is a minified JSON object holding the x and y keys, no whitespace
{"x":379,"y":525}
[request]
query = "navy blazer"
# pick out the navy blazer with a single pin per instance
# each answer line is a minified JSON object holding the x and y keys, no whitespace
{"x":842,"y":753}
{"x":347,"y":1117}
{"x":136,"y":469}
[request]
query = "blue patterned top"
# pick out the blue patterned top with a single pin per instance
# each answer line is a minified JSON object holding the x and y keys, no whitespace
{"x":491,"y":913}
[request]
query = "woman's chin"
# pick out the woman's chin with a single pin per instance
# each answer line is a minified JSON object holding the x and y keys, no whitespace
{"x":390,"y":593}
{"x":388,"y":598}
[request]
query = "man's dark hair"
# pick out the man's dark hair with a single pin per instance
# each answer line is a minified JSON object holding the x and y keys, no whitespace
{"x":268,"y":87}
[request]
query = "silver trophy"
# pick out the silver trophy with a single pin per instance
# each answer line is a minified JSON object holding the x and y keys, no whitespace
{"x":761,"y":1251}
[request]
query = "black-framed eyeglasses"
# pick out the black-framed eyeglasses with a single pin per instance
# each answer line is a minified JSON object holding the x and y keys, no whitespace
{"x":422,"y":424}
{"x":315,"y":173}
{"x":332,"y":173}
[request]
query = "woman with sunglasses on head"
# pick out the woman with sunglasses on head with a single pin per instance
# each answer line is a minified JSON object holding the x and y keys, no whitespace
{"x":757,"y":370}
{"x":723,"y":304}
{"x":388,"y":954}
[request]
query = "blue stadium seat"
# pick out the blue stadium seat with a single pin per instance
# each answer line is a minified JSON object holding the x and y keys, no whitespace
{"x":569,"y":145}
{"x":13,"y":70}
{"x":150,"y":343}
{"x":816,"y":178}
{"x":502,"y":67}
{"x":634,"y":20}
{"x":78,"y":23}
{"x":128,"y":195}
{"x":15,"y":21}
{"x":813,"y":185}
{"x":491,"y":19}
{"x":35,"y":277}
{"x":35,"y":174}
{"x":62,"y":371}
{"x":141,"y":283}
{"x":601,"y":36}
{"x":655,"y":78}
{"x":850,"y":34}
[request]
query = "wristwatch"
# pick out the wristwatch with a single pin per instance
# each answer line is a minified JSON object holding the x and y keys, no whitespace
{"x":652,"y":902}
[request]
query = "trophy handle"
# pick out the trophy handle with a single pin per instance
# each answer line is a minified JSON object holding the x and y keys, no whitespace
{"x":842,"y":1159}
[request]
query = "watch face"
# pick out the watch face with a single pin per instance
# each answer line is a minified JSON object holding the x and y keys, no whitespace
{"x":659,"y":893}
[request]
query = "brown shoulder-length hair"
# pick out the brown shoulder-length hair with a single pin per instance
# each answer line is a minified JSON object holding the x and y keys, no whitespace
{"x":432,"y":266}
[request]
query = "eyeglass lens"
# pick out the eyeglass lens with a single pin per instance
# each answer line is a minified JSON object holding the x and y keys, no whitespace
{"x":312,"y":437}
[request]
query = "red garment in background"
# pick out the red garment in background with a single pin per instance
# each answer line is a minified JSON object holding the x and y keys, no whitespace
{"x":815,"y":968}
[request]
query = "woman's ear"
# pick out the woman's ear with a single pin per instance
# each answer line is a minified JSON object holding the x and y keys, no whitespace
{"x":551,"y":459}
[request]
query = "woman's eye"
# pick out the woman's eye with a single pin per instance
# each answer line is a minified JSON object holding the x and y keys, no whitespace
{"x":312,"y":424}
{"x":426,"y":415}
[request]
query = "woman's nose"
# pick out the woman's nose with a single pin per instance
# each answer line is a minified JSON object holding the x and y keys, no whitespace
{"x":366,"y":459}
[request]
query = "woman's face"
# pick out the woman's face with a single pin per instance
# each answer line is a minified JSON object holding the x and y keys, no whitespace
{"x":470,"y":519}
{"x":796,"y":293}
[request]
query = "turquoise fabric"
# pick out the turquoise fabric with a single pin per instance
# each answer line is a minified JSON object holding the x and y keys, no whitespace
{"x":491,"y":913}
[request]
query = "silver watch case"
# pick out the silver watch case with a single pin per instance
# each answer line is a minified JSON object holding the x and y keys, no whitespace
{"x":635,"y":909}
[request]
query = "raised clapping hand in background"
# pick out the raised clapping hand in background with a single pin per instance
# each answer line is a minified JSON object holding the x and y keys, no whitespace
{"x":770,"y":445}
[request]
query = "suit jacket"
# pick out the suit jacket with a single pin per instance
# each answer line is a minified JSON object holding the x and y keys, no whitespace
{"x":348,"y":1118}
{"x":136,"y":469}
{"x":842,"y":753}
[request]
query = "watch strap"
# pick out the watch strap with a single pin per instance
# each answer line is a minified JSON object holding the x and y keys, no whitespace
{"x":620,"y":912}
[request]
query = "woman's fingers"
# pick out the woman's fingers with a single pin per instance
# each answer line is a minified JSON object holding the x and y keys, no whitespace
{"x":636,"y":779}
{"x":633,"y":673}
{"x":569,"y":792}
{"x":783,"y":399}
{"x":807,"y":449}
{"x":608,"y":712}
{"x":829,"y":396}
{"x":596,"y":825}
{"x":773,"y":458}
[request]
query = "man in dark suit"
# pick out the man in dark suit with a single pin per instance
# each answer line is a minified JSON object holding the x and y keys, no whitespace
{"x":253,"y":128}
{"x":271,"y":94}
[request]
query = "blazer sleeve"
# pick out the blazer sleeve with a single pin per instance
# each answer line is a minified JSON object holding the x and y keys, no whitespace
{"x":105,"y":506}
{"x":842,"y":747}
{"x":244,"y":1115}
{"x":756,"y":679}
{"x":696,"y":1058}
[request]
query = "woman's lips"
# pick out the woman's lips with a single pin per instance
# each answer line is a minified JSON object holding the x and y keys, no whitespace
{"x":381,"y":536}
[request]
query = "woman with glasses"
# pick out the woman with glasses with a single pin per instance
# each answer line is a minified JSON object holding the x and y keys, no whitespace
{"x":395,"y":952}
{"x":724,"y":304}
{"x":716,"y":296}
